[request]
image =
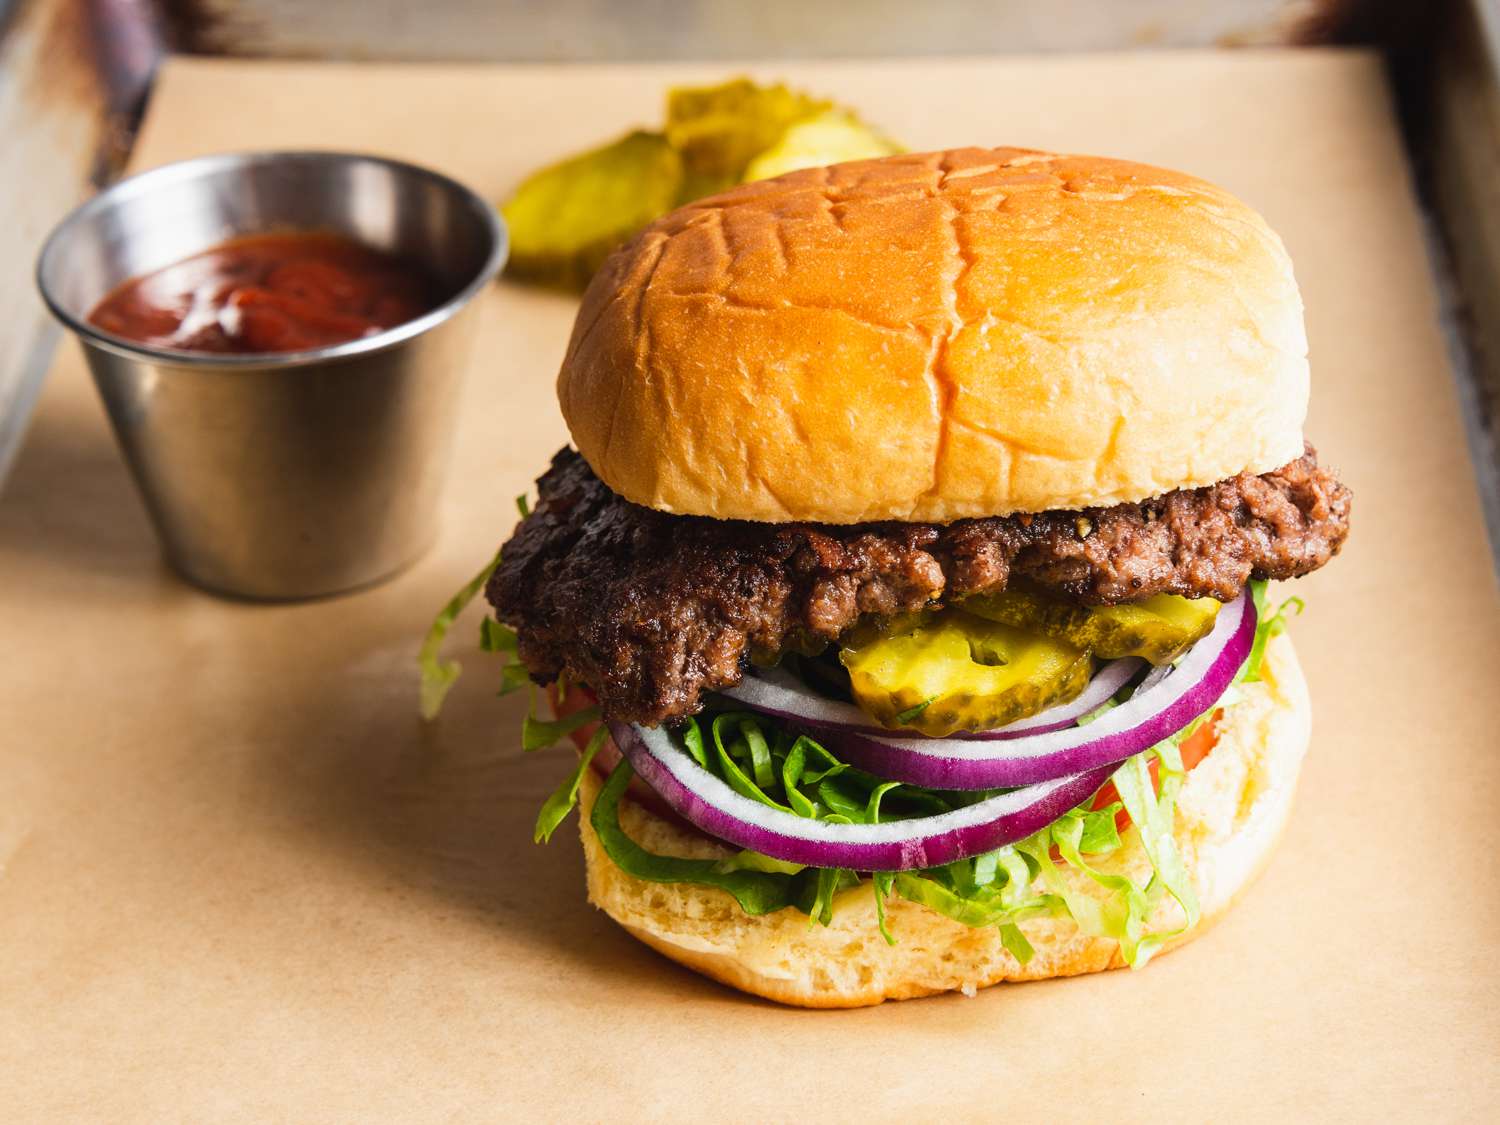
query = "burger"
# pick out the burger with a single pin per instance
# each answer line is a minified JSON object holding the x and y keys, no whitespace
{"x":904,"y":590}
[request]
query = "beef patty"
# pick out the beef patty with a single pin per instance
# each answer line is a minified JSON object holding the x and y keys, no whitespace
{"x":652,"y":610}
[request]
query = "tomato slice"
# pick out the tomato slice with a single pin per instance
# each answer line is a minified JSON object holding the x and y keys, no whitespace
{"x":1194,"y":749}
{"x":1196,"y":746}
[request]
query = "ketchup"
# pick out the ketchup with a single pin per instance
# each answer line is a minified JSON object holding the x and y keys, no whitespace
{"x":269,"y":293}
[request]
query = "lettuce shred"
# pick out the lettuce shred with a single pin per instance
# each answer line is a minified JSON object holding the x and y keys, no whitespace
{"x":762,"y":759}
{"x":756,"y":892}
{"x":437,"y":676}
{"x":1267,"y":625}
{"x":557,"y":806}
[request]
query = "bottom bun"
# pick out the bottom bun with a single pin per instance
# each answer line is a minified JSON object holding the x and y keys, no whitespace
{"x":1230,"y":812}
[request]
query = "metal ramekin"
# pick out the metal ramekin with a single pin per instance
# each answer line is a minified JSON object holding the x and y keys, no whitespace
{"x":295,"y":474}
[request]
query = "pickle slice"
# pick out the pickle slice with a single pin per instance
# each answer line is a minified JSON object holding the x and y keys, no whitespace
{"x":830,"y":138}
{"x":951,"y":671}
{"x":1161,"y":628}
{"x":720,"y":129}
{"x":565,"y":219}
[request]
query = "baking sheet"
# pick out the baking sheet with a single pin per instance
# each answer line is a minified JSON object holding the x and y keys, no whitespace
{"x":238,"y":879}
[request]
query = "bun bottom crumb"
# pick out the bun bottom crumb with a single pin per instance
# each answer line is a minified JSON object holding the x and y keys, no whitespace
{"x":1230,"y":813}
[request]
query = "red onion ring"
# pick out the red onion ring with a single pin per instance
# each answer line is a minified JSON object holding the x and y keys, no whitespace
{"x":1166,"y":702}
{"x":705,"y":801}
{"x":778,"y":693}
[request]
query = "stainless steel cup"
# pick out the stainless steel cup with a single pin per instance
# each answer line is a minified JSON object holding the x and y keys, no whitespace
{"x":295,"y":474}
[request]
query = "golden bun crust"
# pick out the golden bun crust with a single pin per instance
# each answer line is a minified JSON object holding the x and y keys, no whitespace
{"x":932,"y":337}
{"x":1231,"y":811}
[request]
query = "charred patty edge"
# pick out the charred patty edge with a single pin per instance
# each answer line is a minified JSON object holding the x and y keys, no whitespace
{"x":653,"y":610}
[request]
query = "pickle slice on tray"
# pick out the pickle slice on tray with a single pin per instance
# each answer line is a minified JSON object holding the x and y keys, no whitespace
{"x":949,"y":671}
{"x":1160,"y":629}
{"x":831,"y":137}
{"x":565,"y":219}
{"x":720,"y":129}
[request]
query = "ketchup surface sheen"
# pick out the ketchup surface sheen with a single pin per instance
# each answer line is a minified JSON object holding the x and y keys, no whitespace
{"x":269,"y":293}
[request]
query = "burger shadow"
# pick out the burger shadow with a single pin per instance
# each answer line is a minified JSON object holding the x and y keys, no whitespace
{"x":446,"y":811}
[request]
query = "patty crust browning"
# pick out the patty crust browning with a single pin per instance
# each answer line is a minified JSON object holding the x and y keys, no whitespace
{"x":652,"y":610}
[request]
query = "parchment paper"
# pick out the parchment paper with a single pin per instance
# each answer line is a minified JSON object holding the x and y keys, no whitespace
{"x":238,"y":879}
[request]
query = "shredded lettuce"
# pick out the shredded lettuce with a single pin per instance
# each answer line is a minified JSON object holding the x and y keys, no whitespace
{"x":1266,"y":626}
{"x":538,"y":734}
{"x":1015,"y":941}
{"x":973,"y":906}
{"x":1151,"y":813}
{"x":1100,"y":834}
{"x":884,"y":884}
{"x":830,"y":880}
{"x":438,"y":675}
{"x":756,"y":892}
{"x":747,"y":860}
{"x":795,"y":773}
{"x":495,"y":637}
{"x":557,"y":806}
{"x":763,"y":760}
{"x":1121,"y":914}
{"x":513,"y":677}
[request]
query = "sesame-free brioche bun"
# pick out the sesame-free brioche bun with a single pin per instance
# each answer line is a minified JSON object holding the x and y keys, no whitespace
{"x":932,"y":337}
{"x":1230,"y":813}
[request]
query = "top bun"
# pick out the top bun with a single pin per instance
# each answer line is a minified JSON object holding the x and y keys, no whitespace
{"x":933,"y":337}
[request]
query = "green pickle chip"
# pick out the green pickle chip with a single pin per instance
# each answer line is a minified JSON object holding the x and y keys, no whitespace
{"x":951,"y":671}
{"x":565,"y":219}
{"x":1161,"y":628}
{"x":720,"y":129}
{"x":830,"y":138}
